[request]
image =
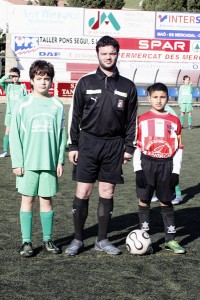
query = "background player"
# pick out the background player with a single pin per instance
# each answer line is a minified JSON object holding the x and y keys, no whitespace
{"x":14,"y":91}
{"x":37,"y":143}
{"x":185,"y":101}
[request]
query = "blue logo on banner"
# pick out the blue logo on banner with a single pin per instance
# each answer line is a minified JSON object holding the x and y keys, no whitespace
{"x":24,"y":43}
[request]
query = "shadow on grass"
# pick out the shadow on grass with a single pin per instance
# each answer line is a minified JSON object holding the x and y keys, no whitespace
{"x":190,"y":192}
{"x":187,"y":224}
{"x":195,"y":127}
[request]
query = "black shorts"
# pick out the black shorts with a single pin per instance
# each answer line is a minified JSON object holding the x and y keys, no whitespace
{"x":99,"y":159}
{"x":157,"y":172}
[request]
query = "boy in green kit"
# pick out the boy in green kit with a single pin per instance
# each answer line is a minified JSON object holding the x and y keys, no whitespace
{"x":185,"y":101}
{"x":37,"y":143}
{"x":14,"y":91}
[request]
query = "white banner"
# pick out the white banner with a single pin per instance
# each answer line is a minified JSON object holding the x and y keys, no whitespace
{"x":45,"y":19}
{"x":119,"y":23}
{"x":83,"y":48}
{"x":178,"y":25}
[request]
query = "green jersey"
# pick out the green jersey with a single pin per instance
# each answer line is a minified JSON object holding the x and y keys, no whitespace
{"x":14,"y":92}
{"x":37,"y":135}
{"x":185,"y":94}
{"x":170,"y":110}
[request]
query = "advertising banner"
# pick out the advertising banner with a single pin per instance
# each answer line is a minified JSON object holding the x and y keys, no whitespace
{"x":51,"y":20}
{"x":119,"y":23}
{"x":175,"y":25}
{"x":154,"y":41}
{"x":66,"y":89}
{"x":83,"y":48}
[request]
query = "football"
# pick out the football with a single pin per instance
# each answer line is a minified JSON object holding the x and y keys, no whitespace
{"x":138,"y":242}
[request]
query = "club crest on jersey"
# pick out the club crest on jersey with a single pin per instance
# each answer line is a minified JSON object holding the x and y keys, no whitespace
{"x":170,"y":128}
{"x":158,"y":149}
{"x":120,"y":103}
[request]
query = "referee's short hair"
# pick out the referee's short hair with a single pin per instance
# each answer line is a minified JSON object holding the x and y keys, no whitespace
{"x":107,"y":41}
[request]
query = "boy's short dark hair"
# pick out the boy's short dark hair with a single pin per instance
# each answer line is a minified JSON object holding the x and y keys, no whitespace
{"x":186,"y":76}
{"x":107,"y":41}
{"x":41,"y":67}
{"x":15,"y":70}
{"x":158,"y":86}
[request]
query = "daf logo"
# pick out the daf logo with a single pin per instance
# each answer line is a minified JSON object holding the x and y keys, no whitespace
{"x":49,"y":53}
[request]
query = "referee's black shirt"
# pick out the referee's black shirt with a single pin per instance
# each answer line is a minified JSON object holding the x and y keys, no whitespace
{"x":104,"y":107}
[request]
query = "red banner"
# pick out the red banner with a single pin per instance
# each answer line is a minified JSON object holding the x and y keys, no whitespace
{"x":66,"y":89}
{"x":155,"y":45}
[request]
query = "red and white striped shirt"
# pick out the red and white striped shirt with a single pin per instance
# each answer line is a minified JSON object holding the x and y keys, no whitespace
{"x":158,"y":134}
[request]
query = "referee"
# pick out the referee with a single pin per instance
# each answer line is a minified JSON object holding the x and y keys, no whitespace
{"x":102,"y":127}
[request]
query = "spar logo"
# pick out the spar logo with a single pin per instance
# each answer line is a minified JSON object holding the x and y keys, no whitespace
{"x":164,"y":45}
{"x":102,"y":18}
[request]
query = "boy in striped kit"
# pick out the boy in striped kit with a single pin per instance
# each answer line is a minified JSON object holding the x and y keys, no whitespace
{"x":37,"y":144}
{"x":157,"y":162}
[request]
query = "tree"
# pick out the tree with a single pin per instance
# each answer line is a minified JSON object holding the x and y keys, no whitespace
{"x":193,"y":5}
{"x":75,"y":3}
{"x":171,"y":5}
{"x":113,"y":4}
{"x":2,"y":41}
{"x":48,"y":2}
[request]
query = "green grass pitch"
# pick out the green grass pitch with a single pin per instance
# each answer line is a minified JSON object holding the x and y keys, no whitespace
{"x":92,"y":276}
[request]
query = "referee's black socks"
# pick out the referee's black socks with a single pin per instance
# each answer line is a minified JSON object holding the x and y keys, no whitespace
{"x":104,"y":214}
{"x":80,"y":213}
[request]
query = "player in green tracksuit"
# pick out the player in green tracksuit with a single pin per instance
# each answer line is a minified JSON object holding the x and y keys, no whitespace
{"x":37,"y":143}
{"x":185,"y":101}
{"x":14,"y":91}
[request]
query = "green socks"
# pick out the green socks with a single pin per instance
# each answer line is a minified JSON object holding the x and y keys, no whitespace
{"x":47,"y":224}
{"x":26,"y":225}
{"x":182,"y":120}
{"x":189,"y":120}
{"x":5,"y":142}
{"x":177,"y":190}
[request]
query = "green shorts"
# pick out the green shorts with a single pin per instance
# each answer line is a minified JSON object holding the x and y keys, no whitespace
{"x":38,"y":183}
{"x":7,"y":121}
{"x":186,"y":107}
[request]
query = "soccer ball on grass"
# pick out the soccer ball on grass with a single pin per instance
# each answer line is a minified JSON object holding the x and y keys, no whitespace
{"x":138,"y":242}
